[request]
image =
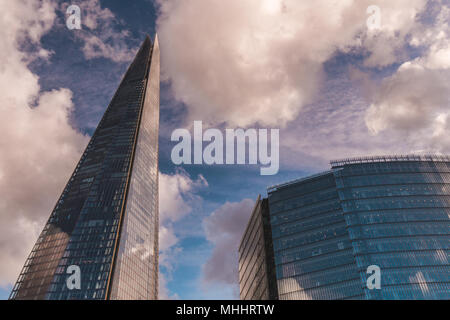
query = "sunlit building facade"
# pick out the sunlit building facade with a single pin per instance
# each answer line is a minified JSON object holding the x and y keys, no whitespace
{"x":313,"y":253}
{"x":256,"y":262}
{"x":105,"y":223}
{"x":397,"y":212}
{"x":390,"y":212}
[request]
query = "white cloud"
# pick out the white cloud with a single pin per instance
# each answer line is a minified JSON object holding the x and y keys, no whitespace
{"x":386,"y":44}
{"x":39,"y":147}
{"x":101,"y":33}
{"x":244,"y":62}
{"x":414,"y":102}
{"x":167,"y":238}
{"x":356,"y":114}
{"x":177,"y":193}
{"x":333,"y":128}
{"x":224,"y":229}
{"x":410,"y":99}
{"x":177,"y":198}
{"x":164,"y":293}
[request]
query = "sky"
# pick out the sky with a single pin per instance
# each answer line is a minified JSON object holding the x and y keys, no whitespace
{"x":339,"y":79}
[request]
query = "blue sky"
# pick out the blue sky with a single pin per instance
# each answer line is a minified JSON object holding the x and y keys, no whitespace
{"x":333,"y":86}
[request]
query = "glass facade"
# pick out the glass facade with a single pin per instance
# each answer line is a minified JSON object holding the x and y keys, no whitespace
{"x":256,"y":262}
{"x":106,"y":220}
{"x":313,"y":253}
{"x":136,"y":269}
{"x":391,"y":212}
{"x":398,"y":216}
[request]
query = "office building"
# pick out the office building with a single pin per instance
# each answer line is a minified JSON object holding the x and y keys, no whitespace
{"x":330,"y":229}
{"x":256,"y":261}
{"x":101,"y":240}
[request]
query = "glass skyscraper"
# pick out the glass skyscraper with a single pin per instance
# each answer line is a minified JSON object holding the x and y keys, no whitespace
{"x":105,"y":223}
{"x":390,"y":212}
{"x":397,"y":212}
{"x":256,"y":260}
{"x":313,"y":253}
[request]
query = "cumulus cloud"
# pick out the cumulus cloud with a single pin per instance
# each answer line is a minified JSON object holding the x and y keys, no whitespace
{"x":415,"y":101}
{"x":177,"y":194}
{"x":260,"y":61}
{"x":101,"y":33}
{"x":358,"y":112}
{"x":39,"y":146}
{"x":164,"y":293}
{"x":224,"y":229}
{"x":385,"y":45}
{"x":409,"y":100}
{"x":331,"y":129}
{"x":177,"y":197}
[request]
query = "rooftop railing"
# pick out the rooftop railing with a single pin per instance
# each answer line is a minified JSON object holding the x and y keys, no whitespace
{"x":390,"y":158}
{"x":317,"y":175}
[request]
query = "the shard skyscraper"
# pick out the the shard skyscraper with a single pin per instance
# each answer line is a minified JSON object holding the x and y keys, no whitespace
{"x":101,"y":240}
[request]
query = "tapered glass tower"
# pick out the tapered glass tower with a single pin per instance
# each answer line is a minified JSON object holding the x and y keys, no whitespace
{"x":101,"y":240}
